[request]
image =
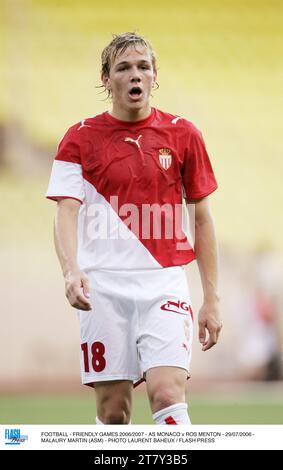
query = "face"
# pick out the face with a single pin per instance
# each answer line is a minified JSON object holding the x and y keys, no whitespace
{"x":131,"y":79}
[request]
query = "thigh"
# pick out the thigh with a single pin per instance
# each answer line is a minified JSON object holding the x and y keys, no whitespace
{"x":108,"y":332}
{"x":166,"y":322}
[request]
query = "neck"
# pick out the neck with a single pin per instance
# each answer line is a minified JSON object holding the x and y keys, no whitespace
{"x":131,"y":115}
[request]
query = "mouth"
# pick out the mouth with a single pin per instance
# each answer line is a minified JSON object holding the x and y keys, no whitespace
{"x":135,"y":93}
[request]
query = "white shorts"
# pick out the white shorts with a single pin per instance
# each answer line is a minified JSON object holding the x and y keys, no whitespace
{"x":139,"y":320}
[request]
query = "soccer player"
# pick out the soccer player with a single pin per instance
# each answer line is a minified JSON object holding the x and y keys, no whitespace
{"x":119,"y":179}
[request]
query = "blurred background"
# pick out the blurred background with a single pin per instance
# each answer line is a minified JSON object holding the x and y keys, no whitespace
{"x":220,"y":66}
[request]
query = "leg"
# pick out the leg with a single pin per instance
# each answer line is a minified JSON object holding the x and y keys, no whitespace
{"x":114,"y":401}
{"x":165,"y":340}
{"x":165,"y":386}
{"x":166,"y":391}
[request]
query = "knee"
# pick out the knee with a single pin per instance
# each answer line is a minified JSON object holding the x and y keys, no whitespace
{"x":113,"y":412}
{"x":115,"y":417}
{"x":165,"y":386}
{"x":163,"y":397}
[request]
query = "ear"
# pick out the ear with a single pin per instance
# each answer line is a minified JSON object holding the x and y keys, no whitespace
{"x":154,"y":75}
{"x":106,"y":81}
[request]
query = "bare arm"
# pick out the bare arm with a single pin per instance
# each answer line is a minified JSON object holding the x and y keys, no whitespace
{"x":207,"y":258}
{"x":65,"y":238}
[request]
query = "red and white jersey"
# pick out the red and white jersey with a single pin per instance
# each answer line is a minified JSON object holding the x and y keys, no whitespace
{"x":130,"y":178}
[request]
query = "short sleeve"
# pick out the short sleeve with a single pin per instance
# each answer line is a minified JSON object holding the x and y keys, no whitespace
{"x":66,"y":180}
{"x":197,"y":173}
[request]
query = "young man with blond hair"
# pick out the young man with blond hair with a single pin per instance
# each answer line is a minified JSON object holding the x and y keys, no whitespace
{"x":119,"y":179}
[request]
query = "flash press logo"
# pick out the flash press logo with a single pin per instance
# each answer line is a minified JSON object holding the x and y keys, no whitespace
{"x":13,"y":437}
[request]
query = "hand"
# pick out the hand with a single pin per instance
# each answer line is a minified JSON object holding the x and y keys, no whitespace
{"x":78,"y":290}
{"x":209,"y":319}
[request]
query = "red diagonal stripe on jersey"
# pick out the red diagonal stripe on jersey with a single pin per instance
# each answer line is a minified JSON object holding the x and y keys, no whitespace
{"x":170,"y":420}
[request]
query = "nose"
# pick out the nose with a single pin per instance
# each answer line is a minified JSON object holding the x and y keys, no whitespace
{"x":135,"y":79}
{"x":135,"y":76}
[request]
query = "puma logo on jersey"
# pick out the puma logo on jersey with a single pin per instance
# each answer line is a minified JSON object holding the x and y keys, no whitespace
{"x":175,"y":120}
{"x":83,"y":125}
{"x":177,"y":307}
{"x":129,"y":139}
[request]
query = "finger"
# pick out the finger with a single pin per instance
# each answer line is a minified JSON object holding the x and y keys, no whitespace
{"x":80,"y":298}
{"x":81,"y":306}
{"x":218,"y":333}
{"x":79,"y":301}
{"x":202,"y":333}
{"x":86,"y":287}
{"x":212,"y":340}
{"x":219,"y":328}
{"x":76,"y":298}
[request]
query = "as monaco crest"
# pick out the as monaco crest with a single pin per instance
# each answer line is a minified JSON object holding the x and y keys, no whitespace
{"x":165,"y":158}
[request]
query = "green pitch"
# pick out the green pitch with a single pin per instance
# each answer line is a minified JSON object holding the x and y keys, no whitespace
{"x":261,"y":408}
